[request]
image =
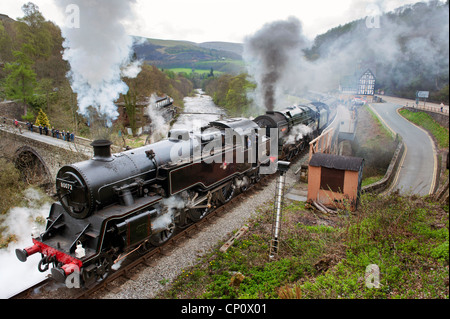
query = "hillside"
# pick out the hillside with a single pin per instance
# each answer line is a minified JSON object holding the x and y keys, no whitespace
{"x":32,"y":70}
{"x":407,"y":51}
{"x":221,"y":56}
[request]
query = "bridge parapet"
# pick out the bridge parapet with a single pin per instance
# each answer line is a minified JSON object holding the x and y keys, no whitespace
{"x":38,"y":159}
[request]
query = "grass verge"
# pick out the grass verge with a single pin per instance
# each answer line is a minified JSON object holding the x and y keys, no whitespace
{"x":326,"y":256}
{"x":426,"y":121}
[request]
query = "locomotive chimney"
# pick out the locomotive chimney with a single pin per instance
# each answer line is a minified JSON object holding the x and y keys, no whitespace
{"x":102,"y":150}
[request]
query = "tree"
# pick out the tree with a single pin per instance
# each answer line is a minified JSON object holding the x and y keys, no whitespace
{"x":34,"y":30}
{"x":21,"y":80}
{"x":42,"y":119}
{"x":230,"y":92}
{"x":5,"y":44}
{"x":130,"y":109}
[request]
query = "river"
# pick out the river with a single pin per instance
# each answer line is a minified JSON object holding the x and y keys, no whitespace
{"x":199,"y":110}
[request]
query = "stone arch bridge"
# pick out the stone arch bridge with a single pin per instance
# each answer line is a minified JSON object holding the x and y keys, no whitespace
{"x":39,"y":157}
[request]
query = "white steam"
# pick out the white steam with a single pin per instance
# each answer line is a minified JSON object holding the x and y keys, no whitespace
{"x":297,"y":133}
{"x":409,"y":45}
{"x":159,"y":125}
{"x":99,"y":52}
{"x":172,"y":204}
{"x":15,"y":275}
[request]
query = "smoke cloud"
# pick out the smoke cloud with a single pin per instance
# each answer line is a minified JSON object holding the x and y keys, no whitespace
{"x":405,"y":48}
{"x":159,"y":126}
{"x":269,"y":53}
{"x":99,"y":51}
{"x":21,"y":222}
{"x":297,"y":133}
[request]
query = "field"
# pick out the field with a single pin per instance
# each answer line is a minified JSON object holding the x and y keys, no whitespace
{"x":189,"y":71}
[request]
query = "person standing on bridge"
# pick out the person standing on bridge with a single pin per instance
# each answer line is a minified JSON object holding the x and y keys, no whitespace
{"x":40,"y":129}
{"x":442,"y":106}
{"x":63,"y":135}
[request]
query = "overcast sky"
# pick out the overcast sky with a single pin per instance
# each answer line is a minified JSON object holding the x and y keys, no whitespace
{"x":223,"y":20}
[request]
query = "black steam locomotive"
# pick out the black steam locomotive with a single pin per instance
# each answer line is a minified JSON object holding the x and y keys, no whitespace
{"x":114,"y":203}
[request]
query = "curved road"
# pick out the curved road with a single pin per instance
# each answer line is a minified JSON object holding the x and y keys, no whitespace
{"x":417,"y":170}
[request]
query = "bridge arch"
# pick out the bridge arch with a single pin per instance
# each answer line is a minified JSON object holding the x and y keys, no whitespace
{"x":32,"y":167}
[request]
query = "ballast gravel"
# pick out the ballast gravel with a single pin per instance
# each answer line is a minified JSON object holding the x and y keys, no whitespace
{"x":151,"y":280}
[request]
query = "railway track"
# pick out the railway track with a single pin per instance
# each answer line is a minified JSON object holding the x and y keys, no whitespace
{"x":134,"y":259}
{"x":145,"y":259}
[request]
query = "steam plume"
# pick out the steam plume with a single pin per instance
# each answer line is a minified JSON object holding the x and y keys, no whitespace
{"x":159,"y":127}
{"x":98,"y":51}
{"x":408,"y":48}
{"x":269,"y":53}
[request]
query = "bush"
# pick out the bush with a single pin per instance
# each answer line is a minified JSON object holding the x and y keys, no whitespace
{"x":10,"y":182}
{"x":42,"y":119}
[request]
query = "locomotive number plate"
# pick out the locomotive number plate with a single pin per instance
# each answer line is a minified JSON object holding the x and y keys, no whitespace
{"x":66,"y":185}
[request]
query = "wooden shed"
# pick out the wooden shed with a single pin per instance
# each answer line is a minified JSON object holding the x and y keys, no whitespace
{"x":335,"y":180}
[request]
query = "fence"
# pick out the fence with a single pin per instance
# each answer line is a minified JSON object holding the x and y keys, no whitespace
{"x":23,"y":127}
{"x":325,"y":143}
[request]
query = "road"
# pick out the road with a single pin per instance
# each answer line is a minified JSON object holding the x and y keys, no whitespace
{"x":417,"y":170}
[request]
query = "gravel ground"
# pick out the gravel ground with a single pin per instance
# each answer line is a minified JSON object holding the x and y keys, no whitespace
{"x":148,"y":282}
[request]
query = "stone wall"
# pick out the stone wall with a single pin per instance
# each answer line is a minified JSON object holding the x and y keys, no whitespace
{"x":11,"y":110}
{"x":51,"y":156}
{"x":386,"y":181}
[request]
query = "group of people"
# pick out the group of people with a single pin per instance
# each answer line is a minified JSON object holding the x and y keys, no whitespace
{"x":66,"y":136}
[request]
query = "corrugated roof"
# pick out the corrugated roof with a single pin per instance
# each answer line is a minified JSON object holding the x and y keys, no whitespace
{"x":347,"y":163}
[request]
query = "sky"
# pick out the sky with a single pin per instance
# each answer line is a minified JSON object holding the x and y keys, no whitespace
{"x":223,"y":20}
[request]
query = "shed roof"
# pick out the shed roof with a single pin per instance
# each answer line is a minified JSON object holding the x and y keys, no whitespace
{"x":347,"y":163}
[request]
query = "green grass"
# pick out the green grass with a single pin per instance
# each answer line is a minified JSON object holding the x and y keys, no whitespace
{"x":189,"y":71}
{"x":386,"y":131}
{"x":371,"y":180}
{"x":326,"y":257}
{"x":426,"y":121}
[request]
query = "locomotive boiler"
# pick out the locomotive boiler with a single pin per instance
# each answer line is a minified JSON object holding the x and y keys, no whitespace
{"x":113,"y":204}
{"x":297,"y":125}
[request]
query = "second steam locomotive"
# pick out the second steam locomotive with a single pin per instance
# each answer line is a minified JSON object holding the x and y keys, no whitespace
{"x":113,"y":203}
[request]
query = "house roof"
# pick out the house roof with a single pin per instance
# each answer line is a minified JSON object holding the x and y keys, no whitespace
{"x":347,"y":163}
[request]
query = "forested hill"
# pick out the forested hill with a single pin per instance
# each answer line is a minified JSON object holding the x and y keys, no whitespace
{"x":33,"y":71}
{"x":408,"y":51}
{"x":221,"y":56}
